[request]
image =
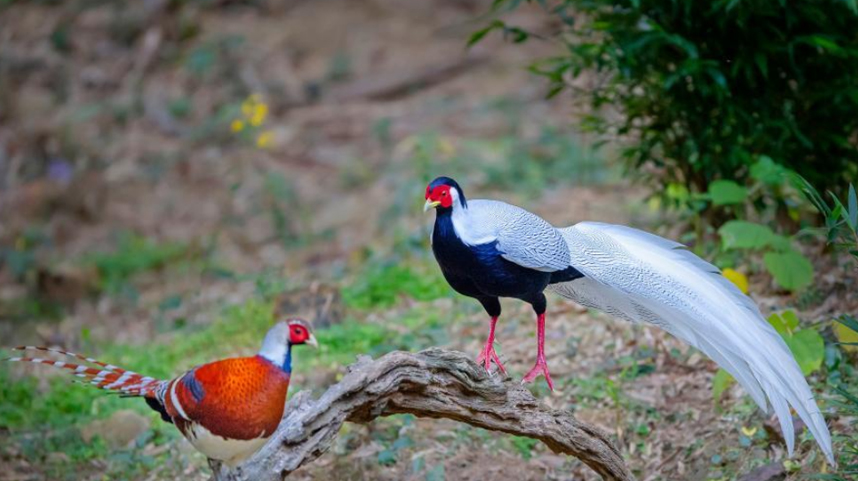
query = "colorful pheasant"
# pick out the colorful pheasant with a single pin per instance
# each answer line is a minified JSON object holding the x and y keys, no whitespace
{"x":227,"y":409}
{"x":488,"y":249}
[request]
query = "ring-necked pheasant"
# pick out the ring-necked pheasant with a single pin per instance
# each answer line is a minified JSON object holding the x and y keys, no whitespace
{"x":488,"y":249}
{"x":227,"y":409}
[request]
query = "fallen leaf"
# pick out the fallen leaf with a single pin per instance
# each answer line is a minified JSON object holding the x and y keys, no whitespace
{"x":737,"y":278}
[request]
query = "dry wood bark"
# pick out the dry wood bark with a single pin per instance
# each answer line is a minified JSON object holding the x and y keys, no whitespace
{"x":435,"y":383}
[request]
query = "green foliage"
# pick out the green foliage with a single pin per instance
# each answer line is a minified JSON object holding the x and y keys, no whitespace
{"x":806,"y":345}
{"x":727,"y":192}
{"x":720,"y":382}
{"x":436,"y":473}
{"x":388,"y":456}
{"x":847,"y":330}
{"x":381,"y":284}
{"x":134,"y":255}
{"x":524,"y":446}
{"x":342,"y":343}
{"x":705,"y":87}
{"x":790,"y":268}
{"x":841,"y":219}
{"x":740,"y":234}
{"x":808,"y":348}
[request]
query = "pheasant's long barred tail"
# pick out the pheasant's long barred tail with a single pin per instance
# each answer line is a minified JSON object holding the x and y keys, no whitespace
{"x":105,"y":376}
{"x":690,"y":298}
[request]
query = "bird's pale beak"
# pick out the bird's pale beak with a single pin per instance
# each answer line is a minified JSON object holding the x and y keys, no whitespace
{"x":312,"y":342}
{"x":430,"y":204}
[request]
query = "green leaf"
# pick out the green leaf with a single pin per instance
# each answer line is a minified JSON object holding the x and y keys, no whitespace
{"x":780,"y":243}
{"x":785,"y":322}
{"x":853,"y":208}
{"x":848,"y":321}
{"x":740,"y":234}
{"x":823,"y":43}
{"x":479,"y":34}
{"x":726,"y":192}
{"x":808,"y":348}
{"x":839,"y":208}
{"x":790,"y":269}
{"x":436,"y":473}
{"x":720,"y":383}
{"x":387,"y":457}
{"x":846,"y":329}
{"x":677,"y":192}
{"x":765,"y":170}
{"x":812,"y":194}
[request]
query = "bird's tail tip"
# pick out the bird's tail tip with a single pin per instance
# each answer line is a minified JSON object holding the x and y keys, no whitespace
{"x":105,"y":376}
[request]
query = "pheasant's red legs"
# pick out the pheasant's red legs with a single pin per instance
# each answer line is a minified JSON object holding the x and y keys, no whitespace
{"x":541,"y":367}
{"x":488,"y":355}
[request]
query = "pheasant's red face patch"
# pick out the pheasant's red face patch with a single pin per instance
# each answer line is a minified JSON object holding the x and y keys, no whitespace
{"x":298,"y":334}
{"x":441,"y":194}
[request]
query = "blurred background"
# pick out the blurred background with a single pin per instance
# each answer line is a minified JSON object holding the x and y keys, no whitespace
{"x":175,"y":174}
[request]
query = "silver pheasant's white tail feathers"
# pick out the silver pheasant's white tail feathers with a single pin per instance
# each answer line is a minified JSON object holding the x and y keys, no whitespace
{"x":106,"y":376}
{"x":641,"y":277}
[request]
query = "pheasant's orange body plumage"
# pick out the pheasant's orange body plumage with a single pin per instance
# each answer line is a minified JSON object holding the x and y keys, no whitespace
{"x":235,"y":398}
{"x":227,"y":409}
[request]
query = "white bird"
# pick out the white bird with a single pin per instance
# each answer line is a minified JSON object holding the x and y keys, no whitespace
{"x":488,"y":249}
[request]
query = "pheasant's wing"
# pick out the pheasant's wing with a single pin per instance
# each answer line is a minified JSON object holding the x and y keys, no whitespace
{"x":522,"y":237}
{"x":641,"y":277}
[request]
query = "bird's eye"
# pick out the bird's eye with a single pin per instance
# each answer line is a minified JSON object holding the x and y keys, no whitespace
{"x":444,"y":193}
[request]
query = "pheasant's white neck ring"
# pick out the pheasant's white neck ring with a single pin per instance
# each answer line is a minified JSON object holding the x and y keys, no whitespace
{"x":276,"y":347}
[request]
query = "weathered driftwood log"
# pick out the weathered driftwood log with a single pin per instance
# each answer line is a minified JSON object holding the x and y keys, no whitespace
{"x":435,"y":383}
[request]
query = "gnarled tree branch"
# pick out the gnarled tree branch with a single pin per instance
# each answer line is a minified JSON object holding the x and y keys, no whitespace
{"x":434,"y":383}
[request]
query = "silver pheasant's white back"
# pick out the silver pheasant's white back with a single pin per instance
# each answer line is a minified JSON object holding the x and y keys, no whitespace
{"x":522,"y":237}
{"x":641,"y":277}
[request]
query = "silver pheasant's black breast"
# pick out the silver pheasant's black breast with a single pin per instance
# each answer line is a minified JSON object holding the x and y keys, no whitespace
{"x":480,"y":270}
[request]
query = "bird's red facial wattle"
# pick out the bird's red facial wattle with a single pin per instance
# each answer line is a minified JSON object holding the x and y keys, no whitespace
{"x":299,"y":333}
{"x":439,"y":196}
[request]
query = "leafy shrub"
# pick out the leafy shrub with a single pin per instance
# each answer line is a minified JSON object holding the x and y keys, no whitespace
{"x":841,"y":220}
{"x":705,"y":87}
{"x":789,"y":267}
{"x":760,"y":201}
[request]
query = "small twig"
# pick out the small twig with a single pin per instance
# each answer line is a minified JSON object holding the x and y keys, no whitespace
{"x":435,"y":383}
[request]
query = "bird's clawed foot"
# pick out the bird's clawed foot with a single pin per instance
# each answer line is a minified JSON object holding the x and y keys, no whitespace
{"x":541,"y":367}
{"x":488,"y":356}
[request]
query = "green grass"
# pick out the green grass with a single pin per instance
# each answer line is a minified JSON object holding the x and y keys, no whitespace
{"x":134,"y":254}
{"x":382,"y":284}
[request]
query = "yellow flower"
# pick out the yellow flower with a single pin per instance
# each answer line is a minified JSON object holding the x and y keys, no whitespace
{"x":737,"y":278}
{"x":249,"y":105}
{"x":237,"y":125}
{"x":264,"y":139}
{"x":260,"y":111}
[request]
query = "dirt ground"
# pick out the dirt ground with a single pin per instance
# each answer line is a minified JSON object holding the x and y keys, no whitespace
{"x":120,"y":117}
